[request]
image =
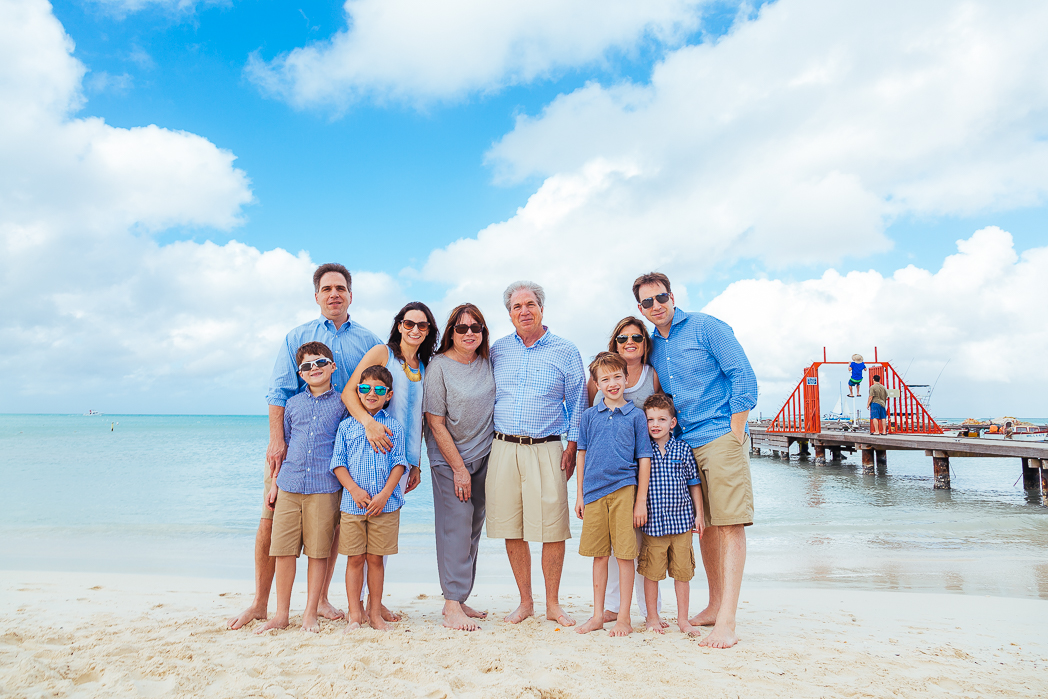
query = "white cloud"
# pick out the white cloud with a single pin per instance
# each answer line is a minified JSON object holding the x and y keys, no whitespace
{"x":420,"y":51}
{"x":978,"y":312}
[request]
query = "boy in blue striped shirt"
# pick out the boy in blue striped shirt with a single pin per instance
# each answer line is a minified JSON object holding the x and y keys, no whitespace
{"x":305,"y":495}
{"x":372,"y":499}
{"x":674,"y":511}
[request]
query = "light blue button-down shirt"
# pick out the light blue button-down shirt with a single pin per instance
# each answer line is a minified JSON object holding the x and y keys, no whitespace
{"x":310,"y":424}
{"x":368,"y":468}
{"x":705,"y":369}
{"x":348,"y":344}
{"x":539,"y":390}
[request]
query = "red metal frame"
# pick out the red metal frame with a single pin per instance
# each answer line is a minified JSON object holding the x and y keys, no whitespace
{"x":906,"y":414}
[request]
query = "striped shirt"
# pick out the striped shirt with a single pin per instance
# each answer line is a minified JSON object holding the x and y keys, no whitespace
{"x":310,"y":424}
{"x":670,"y":509}
{"x":539,"y":390}
{"x":348,"y":344}
{"x":368,"y":468}
{"x":704,"y":368}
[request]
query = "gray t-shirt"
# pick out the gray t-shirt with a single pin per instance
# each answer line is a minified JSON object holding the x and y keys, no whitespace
{"x":465,"y":395}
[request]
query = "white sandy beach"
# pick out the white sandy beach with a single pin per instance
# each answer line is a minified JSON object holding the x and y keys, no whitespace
{"x":90,"y":634}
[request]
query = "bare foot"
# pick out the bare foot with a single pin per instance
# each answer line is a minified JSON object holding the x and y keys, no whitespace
{"x":655,"y":624}
{"x":687,"y":629}
{"x":610,"y":616}
{"x":554,"y":612}
{"x":455,"y":618}
{"x":386,"y":614}
{"x":720,"y":637}
{"x":592,"y":624}
{"x":351,"y":626}
{"x":473,"y":613}
{"x":379,"y":624}
{"x":521,"y":613}
{"x":274,"y":623}
{"x":329,"y":611}
{"x":622,"y":628}
{"x":247,"y":616}
{"x":310,"y":623}
{"x":707,"y":617}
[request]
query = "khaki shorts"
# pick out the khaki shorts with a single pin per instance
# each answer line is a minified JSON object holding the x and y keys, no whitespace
{"x":661,"y":553}
{"x":727,"y":490}
{"x":267,"y":483}
{"x":376,"y":534}
{"x":304,"y":523}
{"x":526,"y":492}
{"x":608,"y":523}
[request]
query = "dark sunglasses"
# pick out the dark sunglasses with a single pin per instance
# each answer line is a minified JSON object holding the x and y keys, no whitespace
{"x":364,"y":389}
{"x":462,"y":328}
{"x":318,"y":363}
{"x":650,"y":301}
{"x":636,"y":337}
{"x":423,"y":325}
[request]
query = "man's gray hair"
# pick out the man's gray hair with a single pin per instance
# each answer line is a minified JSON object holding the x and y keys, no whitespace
{"x":524,"y":285}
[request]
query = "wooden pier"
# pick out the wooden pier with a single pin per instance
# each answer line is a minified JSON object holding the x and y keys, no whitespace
{"x":941,"y":448}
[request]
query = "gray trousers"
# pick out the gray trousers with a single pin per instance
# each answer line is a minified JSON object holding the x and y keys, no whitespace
{"x":458,"y":526}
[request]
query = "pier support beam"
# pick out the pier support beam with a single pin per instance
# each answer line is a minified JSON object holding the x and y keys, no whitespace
{"x":803,"y":447}
{"x":1031,"y":477}
{"x":867,"y":460}
{"x":1042,"y":466}
{"x":882,"y":461}
{"x":835,"y":453}
{"x":820,"y":454}
{"x":941,"y":467}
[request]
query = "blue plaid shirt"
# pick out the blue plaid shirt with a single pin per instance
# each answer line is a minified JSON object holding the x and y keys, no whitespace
{"x":348,"y":344}
{"x":310,"y":424}
{"x":368,"y":468}
{"x":539,"y":390}
{"x":670,"y":509}
{"x":705,"y":369}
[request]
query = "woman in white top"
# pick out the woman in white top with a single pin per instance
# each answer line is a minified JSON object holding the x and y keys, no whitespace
{"x":633,"y":343}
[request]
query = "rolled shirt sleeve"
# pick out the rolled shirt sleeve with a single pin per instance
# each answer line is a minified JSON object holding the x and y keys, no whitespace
{"x":729,"y":354}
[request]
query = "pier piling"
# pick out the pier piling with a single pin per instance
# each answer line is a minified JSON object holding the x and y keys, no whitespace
{"x":835,"y":453}
{"x":867,"y":459}
{"x":803,"y":451}
{"x":1031,"y":477}
{"x":1041,"y":466}
{"x":882,"y":461}
{"x":941,"y":467}
{"x":820,"y":454}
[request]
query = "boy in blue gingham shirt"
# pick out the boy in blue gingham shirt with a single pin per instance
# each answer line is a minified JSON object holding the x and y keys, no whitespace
{"x":674,"y":511}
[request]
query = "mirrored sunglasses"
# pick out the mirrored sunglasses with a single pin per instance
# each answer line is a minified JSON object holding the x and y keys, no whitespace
{"x":636,"y":337}
{"x":365,"y":388}
{"x":318,"y":363}
{"x":650,"y":301}
{"x":475,"y":328}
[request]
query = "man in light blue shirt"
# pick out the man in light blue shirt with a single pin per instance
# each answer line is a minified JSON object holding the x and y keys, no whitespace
{"x":704,"y":368}
{"x":348,"y":341}
{"x":540,"y":394}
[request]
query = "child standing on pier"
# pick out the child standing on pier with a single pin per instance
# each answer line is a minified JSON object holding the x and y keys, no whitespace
{"x":857,"y":367}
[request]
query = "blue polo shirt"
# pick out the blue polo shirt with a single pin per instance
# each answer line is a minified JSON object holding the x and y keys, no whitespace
{"x":613,"y":441}
{"x":705,"y":369}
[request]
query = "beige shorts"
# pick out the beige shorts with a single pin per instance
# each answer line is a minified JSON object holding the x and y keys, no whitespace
{"x":267,"y":483}
{"x":304,"y":523}
{"x":608,"y":523}
{"x":376,"y":534}
{"x":727,"y":489}
{"x":661,"y":553}
{"x":526,"y":492}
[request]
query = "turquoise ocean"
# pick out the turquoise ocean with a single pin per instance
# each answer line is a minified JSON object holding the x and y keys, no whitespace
{"x":181,"y":495}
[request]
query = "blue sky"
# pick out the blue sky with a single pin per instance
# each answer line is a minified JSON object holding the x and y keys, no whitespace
{"x":578,"y":143}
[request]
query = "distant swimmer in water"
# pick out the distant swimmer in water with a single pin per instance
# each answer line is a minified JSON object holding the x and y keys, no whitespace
{"x":857,"y":367}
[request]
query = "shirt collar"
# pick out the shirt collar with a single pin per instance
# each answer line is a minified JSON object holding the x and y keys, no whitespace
{"x":541,"y":340}
{"x":679,"y":316}
{"x":625,"y":410}
{"x":381,"y":413}
{"x":325,"y":394}
{"x":331,"y":324}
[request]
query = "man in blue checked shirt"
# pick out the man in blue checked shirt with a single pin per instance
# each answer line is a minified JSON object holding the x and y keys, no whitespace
{"x":332,"y":284}
{"x":704,"y":368}
{"x":540,"y":394}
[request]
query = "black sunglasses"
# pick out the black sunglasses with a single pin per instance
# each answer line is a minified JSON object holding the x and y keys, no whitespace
{"x":475,"y":328}
{"x":423,"y":325}
{"x":366,"y":388}
{"x":318,"y":363}
{"x":650,"y":301}
{"x":636,"y":337}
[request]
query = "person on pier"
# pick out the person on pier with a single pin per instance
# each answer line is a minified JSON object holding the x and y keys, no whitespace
{"x":705,"y":369}
{"x":877,"y":404}
{"x":857,"y":367}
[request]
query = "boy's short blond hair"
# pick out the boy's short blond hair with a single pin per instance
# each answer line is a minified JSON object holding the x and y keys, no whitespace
{"x":856,"y":357}
{"x":660,"y":401}
{"x":609,"y":362}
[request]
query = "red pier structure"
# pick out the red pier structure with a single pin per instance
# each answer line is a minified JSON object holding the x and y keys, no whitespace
{"x":906,"y":413}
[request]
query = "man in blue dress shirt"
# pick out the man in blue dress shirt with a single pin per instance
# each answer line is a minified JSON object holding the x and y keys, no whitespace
{"x":701,"y":364}
{"x":540,"y":394}
{"x":332,"y":284}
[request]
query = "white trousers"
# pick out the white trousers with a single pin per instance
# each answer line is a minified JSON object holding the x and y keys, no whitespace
{"x":611,"y":596}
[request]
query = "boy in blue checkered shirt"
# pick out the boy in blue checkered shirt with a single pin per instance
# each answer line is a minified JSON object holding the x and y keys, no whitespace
{"x":674,"y":511}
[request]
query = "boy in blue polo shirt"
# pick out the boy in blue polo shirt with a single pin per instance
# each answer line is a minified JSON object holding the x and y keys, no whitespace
{"x":675,"y":504}
{"x":614,"y":453}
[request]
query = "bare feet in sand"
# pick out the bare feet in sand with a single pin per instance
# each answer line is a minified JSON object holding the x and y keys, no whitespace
{"x":520,"y":613}
{"x":247,"y":616}
{"x":554,"y":612}
{"x":379,"y":624}
{"x":473,"y":613}
{"x":310,"y":623}
{"x":707,"y":617}
{"x":329,"y":611}
{"x":621,"y":628}
{"x":720,"y":637}
{"x":655,"y":624}
{"x":455,"y":617}
{"x":274,"y":623}
{"x":610,"y":617}
{"x":687,"y":629}
{"x":592,"y":624}
{"x":351,"y":626}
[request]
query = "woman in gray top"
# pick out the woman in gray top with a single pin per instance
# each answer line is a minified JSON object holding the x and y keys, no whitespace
{"x":459,"y":404}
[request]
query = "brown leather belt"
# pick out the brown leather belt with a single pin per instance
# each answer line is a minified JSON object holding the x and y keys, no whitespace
{"x":516,"y":439}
